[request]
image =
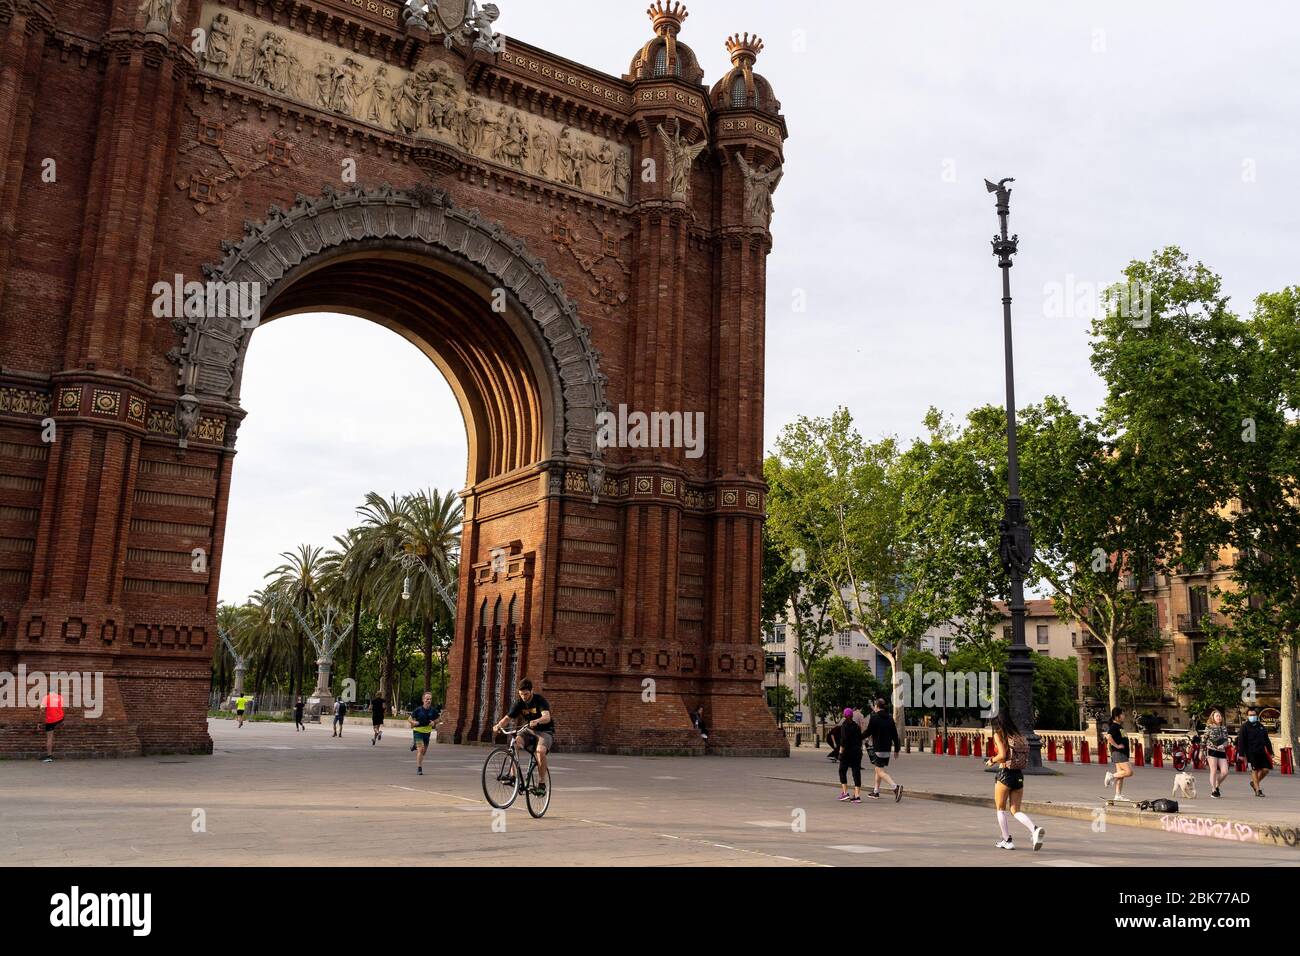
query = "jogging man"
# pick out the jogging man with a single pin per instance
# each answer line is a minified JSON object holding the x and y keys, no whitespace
{"x":1118,"y":754}
{"x":376,"y":719}
{"x":53,"y":704}
{"x":240,"y":703}
{"x":535,"y":713}
{"x":297,"y":716}
{"x":340,"y":711}
{"x":422,"y":719}
{"x":882,"y":733}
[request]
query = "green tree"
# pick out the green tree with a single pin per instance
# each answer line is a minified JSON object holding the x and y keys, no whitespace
{"x":840,"y":682}
{"x":781,"y":699}
{"x":297,"y":584}
{"x":1215,"y":679}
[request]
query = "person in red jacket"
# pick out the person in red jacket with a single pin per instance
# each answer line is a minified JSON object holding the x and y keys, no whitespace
{"x":53,"y":704}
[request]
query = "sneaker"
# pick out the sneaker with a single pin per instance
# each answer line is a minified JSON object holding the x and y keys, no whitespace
{"x":1120,"y":798}
{"x":1037,"y":838}
{"x":844,"y":796}
{"x":855,"y":800}
{"x":1259,"y":793}
{"x":372,"y":741}
{"x":1005,"y":845}
{"x":47,"y":759}
{"x":420,"y":771}
{"x":1110,"y":778}
{"x":1215,"y":793}
{"x":874,"y":794}
{"x":412,"y":748}
{"x":898,"y":792}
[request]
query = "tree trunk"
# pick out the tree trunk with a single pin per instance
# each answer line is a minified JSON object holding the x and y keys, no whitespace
{"x":1286,"y":657}
{"x":386,"y":668}
{"x":1112,"y":674}
{"x":354,"y":641}
{"x":428,"y":655}
{"x":895,"y":697}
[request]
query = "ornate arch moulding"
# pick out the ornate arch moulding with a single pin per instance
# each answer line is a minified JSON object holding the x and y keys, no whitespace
{"x":211,"y":356}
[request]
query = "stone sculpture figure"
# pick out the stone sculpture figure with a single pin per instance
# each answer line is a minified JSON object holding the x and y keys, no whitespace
{"x":377,"y":96}
{"x":280,"y":65}
{"x":220,"y":45}
{"x":406,"y":106}
{"x":623,"y":175}
{"x":262,"y":66}
{"x":470,"y":133}
{"x":346,"y":80}
{"x":543,"y":143}
{"x":158,"y":15}
{"x":325,"y":81}
{"x":514,"y":146}
{"x":760,"y":183}
{"x":570,"y":155}
{"x":295,"y":76}
{"x":478,"y":24}
{"x":247,"y":55}
{"x":604,"y":159}
{"x":681,"y":157}
{"x":415,"y":12}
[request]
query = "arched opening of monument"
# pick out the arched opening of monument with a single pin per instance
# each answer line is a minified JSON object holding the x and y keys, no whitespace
{"x":491,"y":362}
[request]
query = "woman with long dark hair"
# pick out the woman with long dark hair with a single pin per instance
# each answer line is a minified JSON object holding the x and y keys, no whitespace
{"x":1011,"y":756}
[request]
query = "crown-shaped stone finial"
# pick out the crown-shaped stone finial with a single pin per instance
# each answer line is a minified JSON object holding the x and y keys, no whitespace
{"x":745,"y":49}
{"x":667,"y":17}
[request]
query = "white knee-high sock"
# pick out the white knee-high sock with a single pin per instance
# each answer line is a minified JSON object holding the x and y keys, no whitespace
{"x":1003,"y":826}
{"x":1024,"y":818}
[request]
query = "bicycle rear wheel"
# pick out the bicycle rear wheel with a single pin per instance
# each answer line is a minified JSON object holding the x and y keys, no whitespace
{"x":537,"y":804}
{"x":501,"y":778}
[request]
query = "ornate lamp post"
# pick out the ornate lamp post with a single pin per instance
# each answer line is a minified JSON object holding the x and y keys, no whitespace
{"x":1016,"y":547}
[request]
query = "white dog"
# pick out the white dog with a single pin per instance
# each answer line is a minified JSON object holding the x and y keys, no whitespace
{"x":1186,"y":783}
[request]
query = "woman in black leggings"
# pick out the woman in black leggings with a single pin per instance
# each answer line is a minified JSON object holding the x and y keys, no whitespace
{"x":850,"y":757}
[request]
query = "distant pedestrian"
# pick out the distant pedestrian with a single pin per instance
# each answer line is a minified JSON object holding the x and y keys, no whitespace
{"x":297,"y":716}
{"x":850,"y":756}
{"x":1253,"y":741}
{"x":1217,"y":739}
{"x":882,"y":733}
{"x":340,"y":711}
{"x":1119,"y":754}
{"x":697,"y":720}
{"x":421,"y":720}
{"x":242,"y":702}
{"x":377,"y":709}
{"x":1011,"y":756}
{"x":53,"y":705}
{"x":834,"y":736}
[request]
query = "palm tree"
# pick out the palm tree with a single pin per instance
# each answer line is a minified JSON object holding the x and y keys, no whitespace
{"x":431,"y":524}
{"x":378,"y":541}
{"x":296,"y":583}
{"x":263,"y":640}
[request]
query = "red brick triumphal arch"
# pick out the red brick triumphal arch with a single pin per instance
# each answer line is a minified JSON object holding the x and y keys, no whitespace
{"x":564,"y":245}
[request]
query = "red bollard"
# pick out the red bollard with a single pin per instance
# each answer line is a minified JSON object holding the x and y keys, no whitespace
{"x":964,"y":749}
{"x":938,"y":745}
{"x":1103,"y":754}
{"x":1158,"y":756}
{"x":977,"y":748}
{"x":952,"y":746}
{"x":1288,"y":763}
{"x":1137,"y":754}
{"x":1069,"y":751}
{"x":1084,"y":756}
{"x":1051,"y":748}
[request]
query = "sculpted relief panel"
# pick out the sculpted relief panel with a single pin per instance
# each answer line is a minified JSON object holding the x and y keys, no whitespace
{"x":431,"y":103}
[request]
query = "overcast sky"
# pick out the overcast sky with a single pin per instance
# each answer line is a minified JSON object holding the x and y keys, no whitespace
{"x":1128,"y":127}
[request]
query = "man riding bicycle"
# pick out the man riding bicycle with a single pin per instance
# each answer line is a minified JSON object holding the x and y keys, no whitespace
{"x":535,"y":713}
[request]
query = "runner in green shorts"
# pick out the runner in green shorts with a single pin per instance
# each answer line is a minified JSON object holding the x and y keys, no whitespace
{"x":422,"y":727}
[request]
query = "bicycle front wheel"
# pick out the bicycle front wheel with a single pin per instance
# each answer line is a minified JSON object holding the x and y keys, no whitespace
{"x":501,"y":778}
{"x":537,"y":803}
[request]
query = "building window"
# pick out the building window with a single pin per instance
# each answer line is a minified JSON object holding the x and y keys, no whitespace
{"x":496,"y":613}
{"x":1042,"y":634}
{"x":738,"y":91}
{"x":514,"y":610}
{"x":780,"y":634}
{"x":661,"y":62}
{"x":945,"y":645}
{"x":1006,"y":632}
{"x":846,"y":640}
{"x":482,"y":614}
{"x":1150,"y":669}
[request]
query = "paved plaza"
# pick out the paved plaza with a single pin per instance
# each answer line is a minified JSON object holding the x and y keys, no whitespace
{"x":270,"y":796}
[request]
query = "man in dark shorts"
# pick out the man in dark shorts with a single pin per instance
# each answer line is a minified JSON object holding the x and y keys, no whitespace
{"x":340,"y":711}
{"x":1119,"y":755}
{"x":882,"y":733}
{"x":241,"y":702}
{"x":1253,"y":741}
{"x":297,"y":716}
{"x":534,"y":712}
{"x":422,"y":719}
{"x":376,"y":719}
{"x":53,"y":704}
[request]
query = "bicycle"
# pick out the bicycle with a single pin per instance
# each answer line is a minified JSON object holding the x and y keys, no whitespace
{"x":1187,"y":751}
{"x":502,"y":773}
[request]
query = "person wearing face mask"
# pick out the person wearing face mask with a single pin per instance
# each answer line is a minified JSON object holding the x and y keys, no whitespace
{"x":1254,"y":743}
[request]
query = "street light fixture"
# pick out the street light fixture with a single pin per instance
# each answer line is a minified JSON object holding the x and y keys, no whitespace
{"x":943,"y":661}
{"x":1016,"y":547}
